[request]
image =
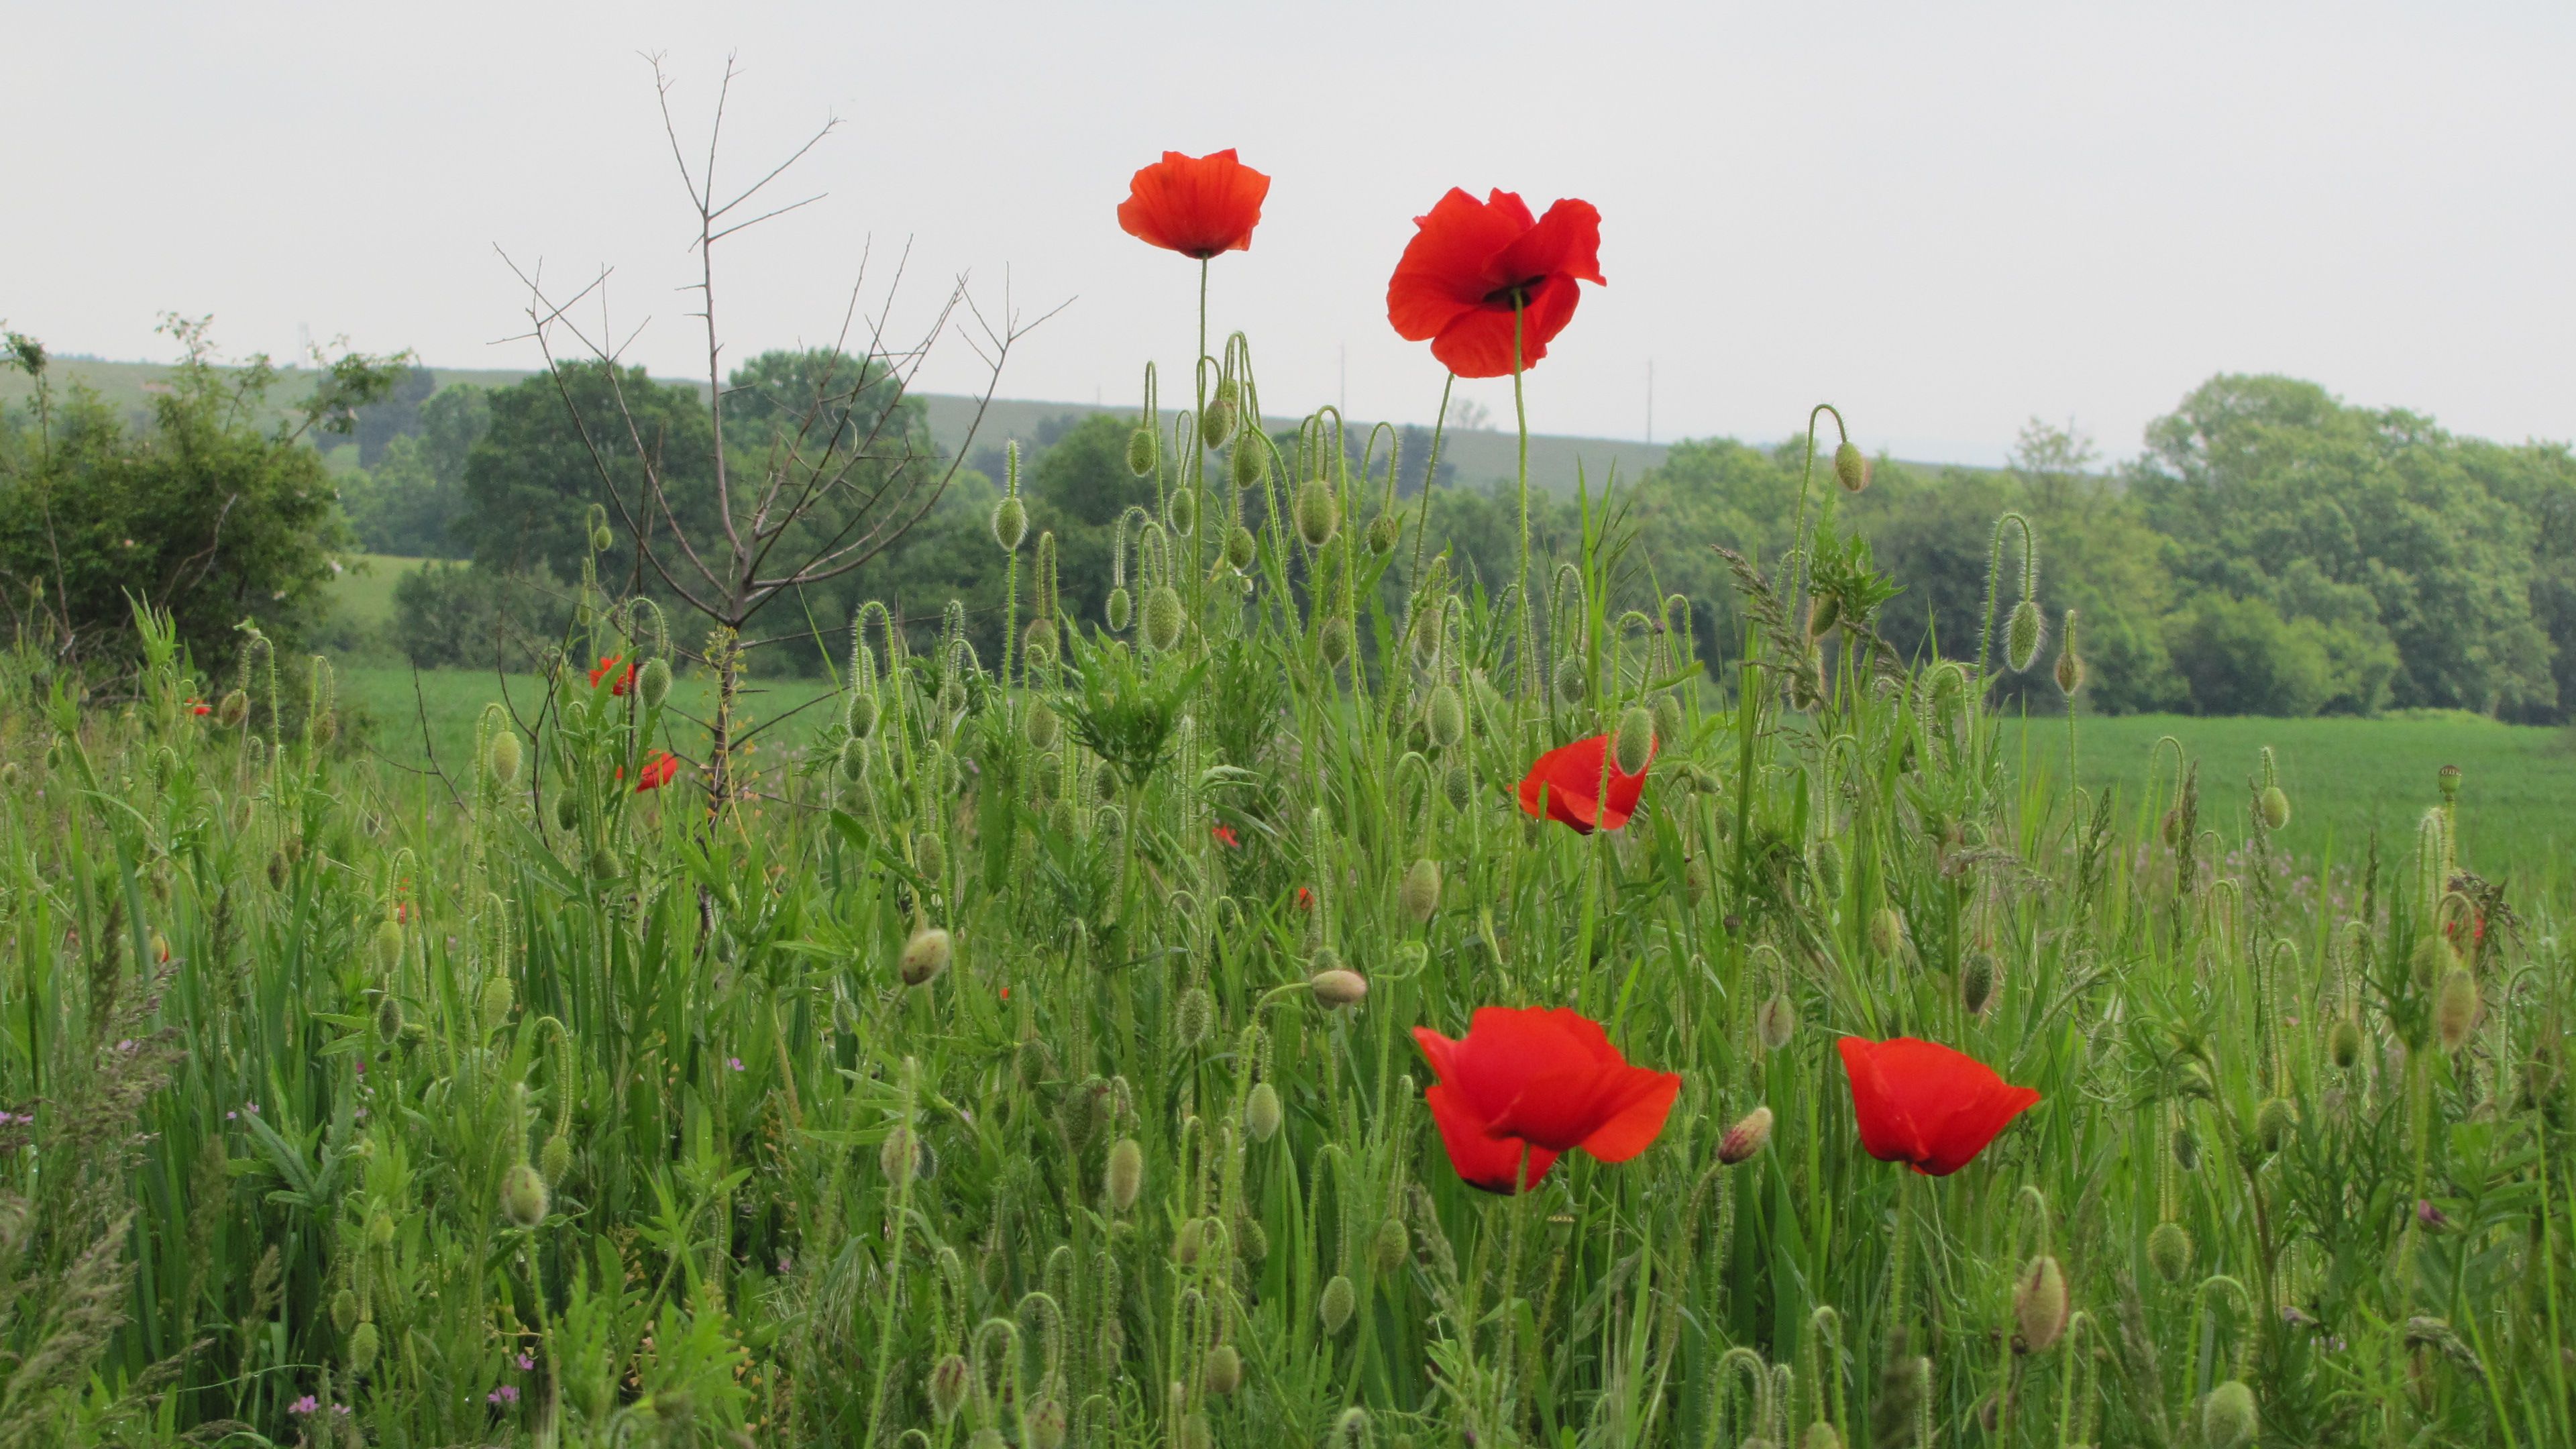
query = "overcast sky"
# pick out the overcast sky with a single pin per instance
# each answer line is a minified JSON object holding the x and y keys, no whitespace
{"x":1945,"y":218}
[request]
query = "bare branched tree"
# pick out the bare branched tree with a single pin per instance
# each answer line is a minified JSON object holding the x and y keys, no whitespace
{"x":844,"y":475}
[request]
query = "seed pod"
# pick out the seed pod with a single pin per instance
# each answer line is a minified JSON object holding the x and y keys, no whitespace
{"x":950,"y":1378}
{"x":1163,"y":617}
{"x":924,"y":956}
{"x":1420,"y":893}
{"x":2455,"y":1007}
{"x":1886,"y":930}
{"x":2169,"y":1251}
{"x":389,"y":1018}
{"x":1118,"y":609}
{"x":1746,"y":1137}
{"x":1458,"y":786}
{"x":1194,"y":1017}
{"x":1318,"y":514}
{"x":2227,"y":1416}
{"x":493,"y":1007}
{"x":2040,"y":1304}
{"x":1572,"y":681}
{"x":1634,"y":743}
{"x":1333,"y":642}
{"x":1977,"y":982}
{"x":233,"y":710}
{"x":1222,"y":1371}
{"x":1010,"y":522}
{"x":2448,"y":780}
{"x":2273,"y":1119}
{"x":1776,"y":1020}
{"x":1239,"y":548}
{"x":1392,"y":1246}
{"x":1222,"y":414}
{"x":930,"y":855}
{"x":523,"y":1196}
{"x":1825,"y":859}
{"x":2434,"y":959}
{"x":654,"y":685}
{"x":1851,"y":468}
{"x":1041,"y":726}
{"x":2276,"y":807}
{"x":2022,"y":634}
{"x":1336,"y":986}
{"x":1335,"y":1304}
{"x":1144,"y":452}
{"x":504,"y":757}
{"x":2343,"y":1043}
{"x":1262,"y":1113}
{"x":1126,"y":1176}
{"x":362,"y":1347}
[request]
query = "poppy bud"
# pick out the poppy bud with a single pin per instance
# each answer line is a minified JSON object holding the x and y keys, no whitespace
{"x":493,"y":1008}
{"x":1047,"y":1425}
{"x":1824,"y":611}
{"x":1353,"y":1426}
{"x":930,"y":855}
{"x":1223,"y":1370}
{"x":1668,"y":716}
{"x":1335,"y":1304}
{"x":2455,"y":1008}
{"x":1062,"y":820}
{"x":1572,"y":683}
{"x":2275,"y":803}
{"x":1317,"y":512}
{"x":2022,"y":633}
{"x":233,"y":710}
{"x":1977,"y":981}
{"x":1746,"y":1137}
{"x":925,"y":955}
{"x":2434,"y":958}
{"x":601,"y":540}
{"x":1634,"y":745}
{"x":1118,"y":609}
{"x":1458,"y":786}
{"x":1041,"y":726}
{"x":854,"y":759}
{"x":1851,"y":469}
{"x":2343,"y":1044}
{"x":1825,"y":859}
{"x":2273,"y":1119}
{"x":1222,"y":414}
{"x":505,"y":757}
{"x":1238,"y":548}
{"x":1163,"y":617}
{"x":2227,"y":1416}
{"x":1181,"y":511}
{"x":654,"y":685}
{"x":1262,"y":1113}
{"x":1126,"y":1176}
{"x":1335,"y":986}
{"x":523,"y":1196}
{"x":1776,"y":1020}
{"x":2169,"y":1251}
{"x":2040,"y":1303}
{"x":1010,"y":522}
{"x":555,"y":1159}
{"x":1333,"y":642}
{"x":1032,"y":1061}
{"x":2447,"y":778}
{"x":1820,"y":1435}
{"x":362,"y":1347}
{"x":1038,"y":640}
{"x":1886,"y":930}
{"x":1384,"y":532}
{"x":389,"y":1018}
{"x":1194,"y":1017}
{"x":1444,"y":716}
{"x":1392,"y":1245}
{"x":1421,"y":890}
{"x":388,"y":946}
{"x":952,"y":697}
{"x":949,"y":1378}
{"x":344,"y":1310}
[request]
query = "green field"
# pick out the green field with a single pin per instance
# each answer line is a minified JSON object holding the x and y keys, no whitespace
{"x":389,"y":704}
{"x":364,"y":592}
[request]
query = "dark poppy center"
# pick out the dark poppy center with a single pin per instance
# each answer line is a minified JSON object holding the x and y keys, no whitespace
{"x":1510,"y":294}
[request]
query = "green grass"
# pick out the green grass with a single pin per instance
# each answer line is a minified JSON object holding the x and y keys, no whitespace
{"x":364,"y":591}
{"x":389,"y":704}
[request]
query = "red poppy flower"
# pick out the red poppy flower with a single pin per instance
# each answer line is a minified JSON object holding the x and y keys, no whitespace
{"x":1922,"y":1103}
{"x":1541,"y":1083}
{"x":1470,"y":261}
{"x":1570,"y":776}
{"x":657,"y":771}
{"x":1305,"y":899}
{"x":1195,"y":205}
{"x":200,"y":707}
{"x":607,"y":662}
{"x":1225,"y":836}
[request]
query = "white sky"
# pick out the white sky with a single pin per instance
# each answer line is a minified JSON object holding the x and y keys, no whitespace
{"x":1946,"y":218}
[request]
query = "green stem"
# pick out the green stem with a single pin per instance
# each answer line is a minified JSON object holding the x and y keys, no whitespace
{"x":1520,"y":415}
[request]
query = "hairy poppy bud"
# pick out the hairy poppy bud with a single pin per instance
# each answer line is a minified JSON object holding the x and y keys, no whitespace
{"x":1392,"y":1246}
{"x":1041,"y":726}
{"x":2455,"y":1007}
{"x":1572,"y":681}
{"x":523,"y":1196}
{"x":1825,"y":859}
{"x":505,"y":757}
{"x":1776,"y":1020}
{"x":1118,"y":609}
{"x":1047,"y":1424}
{"x":950,"y":1378}
{"x":344,"y":1310}
{"x":2040,"y":1304}
{"x":1746,"y":1137}
{"x":555,"y":1159}
{"x":1851,"y":468}
{"x":1223,"y":412}
{"x":2186,"y":1146}
{"x":2343,"y":1044}
{"x":1337,"y":986}
{"x":1046,"y":780}
{"x":1317,"y":512}
{"x":1038,"y":640}
{"x":1250,"y":463}
{"x":233,"y":710}
{"x":601,"y":540}
{"x":1820,"y":1435}
{"x":493,"y":1007}
{"x":2434,"y":958}
{"x":2275,"y":804}
{"x":380,"y":1230}
{"x":388,"y":946}
{"x":930,"y":855}
{"x":1010,"y":522}
{"x":860,"y":719}
{"x":1126,"y":1175}
{"x":2273,"y":1119}
{"x":2169,"y":1251}
{"x":2022,"y":634}
{"x":654,"y":685}
{"x":1144,"y":451}
{"x":1194,"y":1017}
{"x":2070,"y":666}
{"x":1886,"y":930}
{"x":1334,"y":1305}
{"x":1824,"y":611}
{"x":363,"y":1343}
{"x":1458,"y":786}
{"x":1977,"y":981}
{"x":1420,"y":892}
{"x":389,"y":1018}
{"x":1668,"y":716}
{"x":1032,"y":1062}
{"x":1444,"y":716}
{"x":1262,"y":1113}
{"x":1238,"y":548}
{"x":1352,"y":1427}
{"x":1181,"y":511}
{"x":1222,"y":1371}
{"x":1062,"y":819}
{"x":1333,"y":642}
{"x":2227,"y":1416}
{"x":1634,"y":744}
{"x":1163,"y":617}
{"x":1384,"y":532}
{"x":925,"y":955}
{"x":854,"y":759}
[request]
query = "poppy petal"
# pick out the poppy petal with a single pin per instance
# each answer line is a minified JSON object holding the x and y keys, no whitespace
{"x":1197,"y":206}
{"x":1923,"y":1103}
{"x":1446,"y":269}
{"x":1645,"y":1102}
{"x":1566,"y":242}
{"x":1483,"y":1160}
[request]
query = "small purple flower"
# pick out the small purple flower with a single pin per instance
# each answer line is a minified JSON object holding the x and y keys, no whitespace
{"x":305,"y":1405}
{"x":785,"y":1265}
{"x":734,"y":1062}
{"x":126,"y":1046}
{"x":251,"y":1107}
{"x":527,"y":1361}
{"x":232,"y":1116}
{"x":340,"y":1409}
{"x":2429,"y":1215}
{"x":506,"y":1394}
